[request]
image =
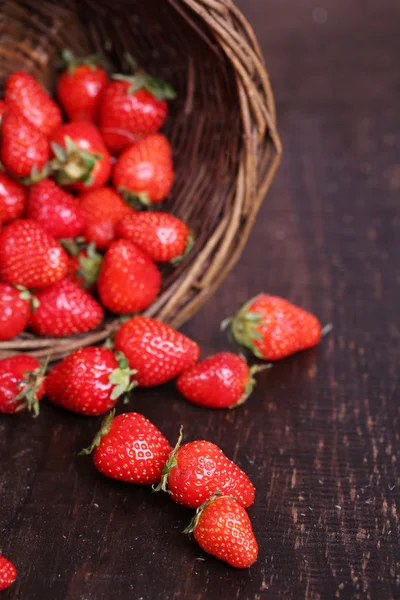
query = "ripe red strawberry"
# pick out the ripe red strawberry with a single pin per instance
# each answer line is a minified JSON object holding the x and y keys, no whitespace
{"x":162,"y":236}
{"x":102,"y":209}
{"x":130,"y":448}
{"x":8,"y":573}
{"x":81,"y":159}
{"x":132,"y":107}
{"x":65,"y":309}
{"x":57,"y":211}
{"x":24,"y":149}
{"x":273,"y":328}
{"x":84,"y":267}
{"x":24,"y":92}
{"x":195,"y":471}
{"x":29,"y":256}
{"x":14,"y":311}
{"x":79,"y":88}
{"x":22,"y":384}
{"x":158,"y":352}
{"x":3,"y":108}
{"x":129,"y":281}
{"x":89,"y":381}
{"x":222,"y":528}
{"x":13,"y":198}
{"x":145,"y":171}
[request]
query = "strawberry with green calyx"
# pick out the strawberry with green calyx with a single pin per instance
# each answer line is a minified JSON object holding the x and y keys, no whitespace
{"x":84,"y":264}
{"x":8,"y":573}
{"x":22,"y":384}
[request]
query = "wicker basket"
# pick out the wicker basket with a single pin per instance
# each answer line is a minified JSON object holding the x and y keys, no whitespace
{"x":222,"y":125}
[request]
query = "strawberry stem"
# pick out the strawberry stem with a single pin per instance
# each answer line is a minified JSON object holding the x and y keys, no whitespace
{"x":72,"y":164}
{"x":169,"y":465}
{"x":121,"y":377}
{"x":326,"y":329}
{"x":188,"y":248}
{"x":251,"y":383}
{"x":199,"y":511}
{"x":72,"y":62}
{"x":137,"y":200}
{"x":32,"y":381}
{"x":104,"y":429}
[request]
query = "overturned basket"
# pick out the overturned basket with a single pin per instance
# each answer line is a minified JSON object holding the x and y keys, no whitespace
{"x":222,"y":125}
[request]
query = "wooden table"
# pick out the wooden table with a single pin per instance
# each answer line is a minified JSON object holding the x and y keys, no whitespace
{"x":320,"y":436}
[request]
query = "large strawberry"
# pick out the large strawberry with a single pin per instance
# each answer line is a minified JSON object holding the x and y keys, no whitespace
{"x":157,"y":351}
{"x":89,"y":381}
{"x":144,"y":172}
{"x":8,"y":573}
{"x":130,"y":448}
{"x":273,"y":328}
{"x":24,"y":149}
{"x":15,"y":311}
{"x":65,"y":309}
{"x":29,"y":256}
{"x":13,"y":198}
{"x":84,"y":265}
{"x":22,"y":384}
{"x":129,"y":281}
{"x":80,"y":86}
{"x":81,"y":159}
{"x":24,"y":92}
{"x":57,"y":211}
{"x":222,"y":528}
{"x":102,"y":209}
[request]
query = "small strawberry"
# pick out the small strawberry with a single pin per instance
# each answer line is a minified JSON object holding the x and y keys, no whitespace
{"x":22,"y":384}
{"x":24,"y":92}
{"x":162,"y":236}
{"x":13,"y":198}
{"x":129,"y":448}
{"x":65,"y":309}
{"x":80,"y":86}
{"x":29,"y":256}
{"x":8,"y":573}
{"x":273,"y":328}
{"x":102,"y":209}
{"x":89,"y":381}
{"x":24,"y":149}
{"x":158,"y":352}
{"x":195,"y":471}
{"x":129,"y":281}
{"x":222,"y":528}
{"x":15,"y":311}
{"x":81,"y":159}
{"x":57,"y":211}
{"x":84,"y":266}
{"x":144,"y":172}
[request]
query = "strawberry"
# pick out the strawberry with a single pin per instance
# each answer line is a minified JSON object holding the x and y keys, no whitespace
{"x":24,"y":149}
{"x":129,"y":448}
{"x":222,"y":528}
{"x":84,"y":266}
{"x":24,"y":92}
{"x":14,"y":311}
{"x":57,"y":211}
{"x":144,"y":172}
{"x":81,"y":159}
{"x":80,"y":86}
{"x":89,"y":381}
{"x":8,"y":573}
{"x":162,"y":236}
{"x":3,"y":108}
{"x":102,"y":209}
{"x":22,"y":384}
{"x":29,"y":256}
{"x":65,"y":309}
{"x":13,"y":198}
{"x":273,"y":328}
{"x":132,"y":107}
{"x":195,"y":471}
{"x":158,"y":352}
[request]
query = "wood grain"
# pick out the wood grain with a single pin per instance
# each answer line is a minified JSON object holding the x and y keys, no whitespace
{"x":320,"y":436}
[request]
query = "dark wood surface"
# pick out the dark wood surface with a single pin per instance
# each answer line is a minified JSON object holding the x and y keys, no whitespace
{"x":320,"y":436}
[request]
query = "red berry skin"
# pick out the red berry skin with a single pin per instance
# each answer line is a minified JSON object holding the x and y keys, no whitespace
{"x":224,"y":530}
{"x":8,"y":573}
{"x":13,"y":198}
{"x":29,"y":256}
{"x":146,"y":168}
{"x":133,"y":450}
{"x":56,"y":210}
{"x":12,"y":371}
{"x":129,"y":281}
{"x":126,"y":117}
{"x":24,"y":92}
{"x":23,"y":147}
{"x":157,"y":351}
{"x":3,"y":108}
{"x":65,"y":309}
{"x":14,"y":312}
{"x":79,"y":92}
